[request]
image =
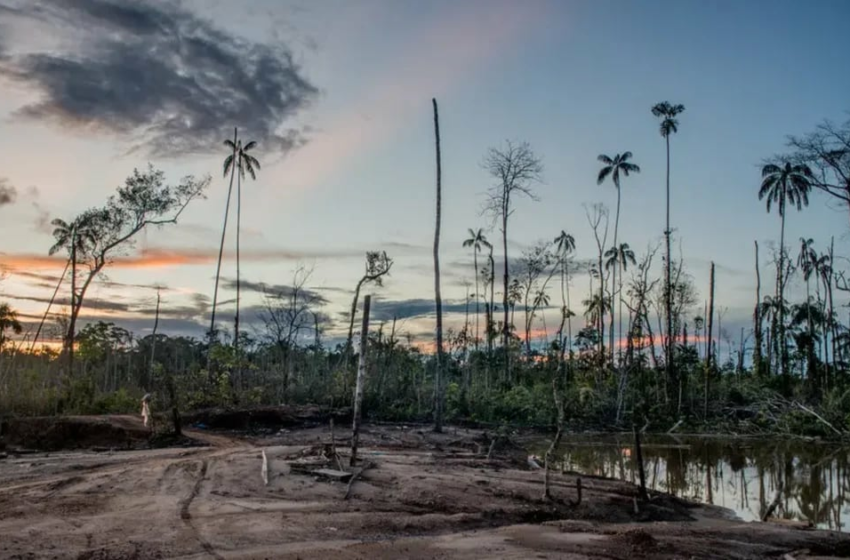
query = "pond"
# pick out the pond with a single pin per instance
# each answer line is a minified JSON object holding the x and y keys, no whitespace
{"x":741,"y":474}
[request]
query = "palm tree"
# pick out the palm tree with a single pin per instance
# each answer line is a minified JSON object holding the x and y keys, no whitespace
{"x":76,"y":237}
{"x":613,"y":167}
{"x":8,"y":322}
{"x":806,"y":261}
{"x":619,"y":257}
{"x":564,"y":245}
{"x":228,"y":168}
{"x":596,"y":307}
{"x":668,"y":112}
{"x":243,"y":162}
{"x":476,"y":240}
{"x":783,"y":185}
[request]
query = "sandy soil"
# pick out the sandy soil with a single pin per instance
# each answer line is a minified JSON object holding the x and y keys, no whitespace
{"x":423,"y":496}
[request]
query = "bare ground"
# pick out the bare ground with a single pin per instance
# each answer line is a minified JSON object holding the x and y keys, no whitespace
{"x":424,"y":496}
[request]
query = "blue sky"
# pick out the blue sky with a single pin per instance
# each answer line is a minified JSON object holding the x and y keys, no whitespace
{"x":574,"y":79}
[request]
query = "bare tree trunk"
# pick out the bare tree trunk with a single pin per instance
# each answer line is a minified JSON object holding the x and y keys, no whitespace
{"x":49,"y":305}
{"x":506,"y":329}
{"x":639,"y":455}
{"x":73,"y":321}
{"x":668,"y":296}
{"x":238,"y":274}
{"x":361,"y":380}
{"x":438,"y":381}
{"x":830,"y":319}
{"x":559,"y":406}
{"x":477,"y":295}
{"x":757,"y":332}
{"x":783,"y":348}
{"x":153,"y":339}
{"x":492,"y":327}
{"x":709,"y":357}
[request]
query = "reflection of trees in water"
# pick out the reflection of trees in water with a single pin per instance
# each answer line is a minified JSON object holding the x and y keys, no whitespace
{"x":740,"y":474}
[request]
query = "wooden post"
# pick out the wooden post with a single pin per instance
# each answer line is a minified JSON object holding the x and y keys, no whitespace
{"x":361,"y":379}
{"x":639,"y":457}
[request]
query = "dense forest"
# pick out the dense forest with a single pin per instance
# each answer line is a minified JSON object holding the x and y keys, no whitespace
{"x":635,"y":347}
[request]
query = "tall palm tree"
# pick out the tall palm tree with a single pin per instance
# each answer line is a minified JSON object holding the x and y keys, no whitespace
{"x":229,"y":167}
{"x":244,"y":163}
{"x":668,"y":112}
{"x":783,"y":185}
{"x":476,"y":240}
{"x":619,"y":257}
{"x":564,"y":245}
{"x":612,"y":168}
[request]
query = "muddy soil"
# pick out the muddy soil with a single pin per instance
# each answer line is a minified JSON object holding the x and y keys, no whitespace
{"x":421,"y":495}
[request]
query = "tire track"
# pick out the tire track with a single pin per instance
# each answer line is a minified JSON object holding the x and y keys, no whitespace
{"x":186,"y":515}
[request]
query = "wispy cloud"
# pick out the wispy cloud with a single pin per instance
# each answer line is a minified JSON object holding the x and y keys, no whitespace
{"x":275,"y":290}
{"x":438,"y":56}
{"x":157,"y":258}
{"x":155,"y":74}
{"x":386,"y":310}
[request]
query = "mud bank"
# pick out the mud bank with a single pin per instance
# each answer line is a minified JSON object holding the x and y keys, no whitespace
{"x":420,"y":495}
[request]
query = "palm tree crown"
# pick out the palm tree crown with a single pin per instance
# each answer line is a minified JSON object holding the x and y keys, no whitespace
{"x":808,"y":257}
{"x":565,"y":243}
{"x":668,"y":113}
{"x":614,"y":166}
{"x":787,"y":183}
{"x":476,"y":240}
{"x":241,"y":158}
{"x":622,"y":255}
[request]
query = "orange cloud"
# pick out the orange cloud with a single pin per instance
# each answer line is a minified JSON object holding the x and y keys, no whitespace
{"x":158,"y":258}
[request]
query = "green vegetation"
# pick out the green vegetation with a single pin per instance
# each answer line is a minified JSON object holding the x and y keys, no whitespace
{"x":662,"y":366}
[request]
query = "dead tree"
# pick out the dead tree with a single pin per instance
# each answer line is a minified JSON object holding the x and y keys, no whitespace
{"x":515,"y":168}
{"x":438,"y":300}
{"x":361,"y":379}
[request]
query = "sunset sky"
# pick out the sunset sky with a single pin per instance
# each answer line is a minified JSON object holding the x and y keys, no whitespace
{"x":338,"y":95}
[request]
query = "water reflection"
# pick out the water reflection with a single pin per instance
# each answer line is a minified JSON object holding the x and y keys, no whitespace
{"x":742,"y":475}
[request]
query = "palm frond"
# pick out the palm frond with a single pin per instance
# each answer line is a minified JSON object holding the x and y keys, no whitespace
{"x":605,"y":159}
{"x":250,"y":145}
{"x":770,"y":169}
{"x":228,"y":163}
{"x":603,"y":174}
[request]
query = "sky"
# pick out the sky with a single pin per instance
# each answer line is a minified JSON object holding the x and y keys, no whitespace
{"x":338,"y":96}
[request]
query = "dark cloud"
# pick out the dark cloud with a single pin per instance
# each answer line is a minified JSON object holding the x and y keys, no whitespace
{"x":8,"y":193}
{"x":386,"y":310}
{"x":275,"y":290}
{"x":102,"y":305}
{"x":167,"y":79}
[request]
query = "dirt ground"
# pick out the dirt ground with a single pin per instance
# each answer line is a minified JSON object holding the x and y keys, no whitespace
{"x":421,"y":496}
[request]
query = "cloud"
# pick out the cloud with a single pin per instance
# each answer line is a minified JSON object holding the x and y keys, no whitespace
{"x":274,"y":290}
{"x":8,"y":193}
{"x":386,"y":310}
{"x":155,"y":73}
{"x":160,"y":257}
{"x":100,"y":304}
